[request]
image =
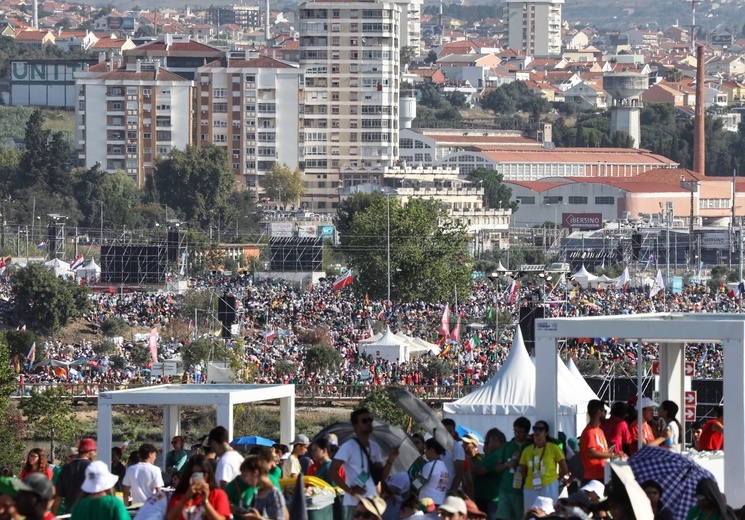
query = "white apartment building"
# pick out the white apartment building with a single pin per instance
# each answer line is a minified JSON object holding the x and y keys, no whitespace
{"x":534,"y":27}
{"x":251,"y":107}
{"x":410,"y":28}
{"x":126,"y":116}
{"x":349,"y":52}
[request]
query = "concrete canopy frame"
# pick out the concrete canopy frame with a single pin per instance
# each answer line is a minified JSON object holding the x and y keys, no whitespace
{"x":172,"y":397}
{"x":672,"y":331}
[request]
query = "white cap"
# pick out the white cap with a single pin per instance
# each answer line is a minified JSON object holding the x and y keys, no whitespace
{"x":595,"y":486}
{"x":454,"y":504}
{"x":544,"y":503}
{"x":647,"y":402}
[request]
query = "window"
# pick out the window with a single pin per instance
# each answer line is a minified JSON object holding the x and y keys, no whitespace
{"x":146,"y":92}
{"x":553,"y":200}
{"x":219,"y":107}
{"x":605,"y":200}
{"x":577,"y":200}
{"x":220,"y":93}
{"x":131,"y":90}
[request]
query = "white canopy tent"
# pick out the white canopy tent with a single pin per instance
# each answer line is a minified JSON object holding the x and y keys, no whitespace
{"x":672,"y":331}
{"x":510,"y":394}
{"x":581,"y":384}
{"x":58,"y":267}
{"x":583,"y":277}
{"x":173,"y":397}
{"x":91,"y":270}
{"x":389,"y":347}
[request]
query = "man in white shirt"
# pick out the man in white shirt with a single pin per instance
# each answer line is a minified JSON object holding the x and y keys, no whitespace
{"x":229,"y":463}
{"x":359,"y":456}
{"x":143,"y":479}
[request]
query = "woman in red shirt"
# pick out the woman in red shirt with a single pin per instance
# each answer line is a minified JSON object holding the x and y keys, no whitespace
{"x":36,"y":462}
{"x":197,"y":496}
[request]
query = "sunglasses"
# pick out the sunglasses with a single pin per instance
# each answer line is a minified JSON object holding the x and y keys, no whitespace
{"x":364,"y":514}
{"x":539,"y":429}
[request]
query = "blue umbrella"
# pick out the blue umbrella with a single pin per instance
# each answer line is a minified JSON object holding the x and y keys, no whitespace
{"x":462,"y":431}
{"x":252,"y":440}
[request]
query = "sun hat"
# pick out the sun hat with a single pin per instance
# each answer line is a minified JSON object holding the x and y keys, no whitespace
{"x":647,"y":402}
{"x":470,"y":438}
{"x":36,"y":483}
{"x":374,"y":505}
{"x":98,"y":478}
{"x":454,"y":505}
{"x":545,"y":504}
{"x":596,"y":487}
{"x":300,"y":439}
{"x":87,"y":445}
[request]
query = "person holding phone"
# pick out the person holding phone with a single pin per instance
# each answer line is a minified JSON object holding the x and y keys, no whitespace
{"x":197,"y":496}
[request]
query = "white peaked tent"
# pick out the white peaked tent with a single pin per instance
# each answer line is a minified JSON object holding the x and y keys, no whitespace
{"x":583,"y":277}
{"x":417,"y":347}
{"x":58,"y":267}
{"x":604,"y":282}
{"x":92,"y":270}
{"x":388,"y":347}
{"x":511,"y":394}
{"x":501,"y":268}
{"x":582,"y":385}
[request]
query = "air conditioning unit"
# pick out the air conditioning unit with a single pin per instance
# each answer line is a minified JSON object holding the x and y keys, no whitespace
{"x":236,"y":156}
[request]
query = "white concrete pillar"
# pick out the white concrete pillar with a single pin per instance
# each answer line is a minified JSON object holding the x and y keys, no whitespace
{"x":104,"y":432}
{"x":171,"y":428}
{"x":546,"y":382}
{"x":672,"y":376}
{"x":225,"y":417}
{"x":734,"y":418}
{"x":287,"y":419}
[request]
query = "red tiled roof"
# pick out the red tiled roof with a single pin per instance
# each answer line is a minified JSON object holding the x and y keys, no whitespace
{"x":425,"y":73}
{"x":109,"y":43}
{"x":190,"y":46}
{"x":668,"y":176}
{"x":31,"y":35}
{"x":589,"y":156}
{"x":145,"y":75}
{"x":261,"y":62}
{"x":537,"y":186}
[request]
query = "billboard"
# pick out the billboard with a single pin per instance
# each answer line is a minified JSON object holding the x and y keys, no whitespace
{"x":582,"y":220}
{"x":718,"y":240}
{"x":327,"y":231}
{"x":282,"y":229}
{"x":45,"y":82}
{"x":307,"y":231}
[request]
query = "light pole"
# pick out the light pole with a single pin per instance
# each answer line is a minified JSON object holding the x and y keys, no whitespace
{"x":388,"y":245}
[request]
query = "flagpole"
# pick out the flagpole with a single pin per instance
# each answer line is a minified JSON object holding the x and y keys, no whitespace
{"x":457,"y":344}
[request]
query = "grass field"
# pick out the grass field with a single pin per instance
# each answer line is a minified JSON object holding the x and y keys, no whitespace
{"x":13,"y":121}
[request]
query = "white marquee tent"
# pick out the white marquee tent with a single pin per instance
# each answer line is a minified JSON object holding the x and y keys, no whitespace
{"x":511,"y":394}
{"x":91,"y":270}
{"x":583,"y":277}
{"x":392,"y":347}
{"x":58,"y":267}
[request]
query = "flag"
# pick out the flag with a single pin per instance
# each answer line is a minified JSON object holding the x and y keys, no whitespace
{"x":473,"y":342}
{"x":41,"y":245}
{"x":17,"y":363}
{"x":153,"y":343}
{"x":649,"y":261}
{"x":490,"y":314}
{"x":658,"y":285}
{"x":268,"y":335}
{"x":343,"y":281}
{"x":445,"y":322}
{"x":22,"y":328}
{"x":698,"y":276}
{"x":455,"y":335}
{"x":77,"y":263}
{"x":31,"y":354}
{"x":624,"y":279}
{"x":514,"y":289}
{"x":125,"y":445}
{"x":191,"y":325}
{"x":182,"y":269}
{"x":367,"y":299}
{"x":3,"y":265}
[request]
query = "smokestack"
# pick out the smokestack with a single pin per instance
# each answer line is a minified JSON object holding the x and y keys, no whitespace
{"x":35,"y":8}
{"x":699,"y":139}
{"x":267,"y":24}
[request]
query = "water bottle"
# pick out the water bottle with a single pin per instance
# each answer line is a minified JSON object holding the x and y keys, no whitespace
{"x":517,"y":480}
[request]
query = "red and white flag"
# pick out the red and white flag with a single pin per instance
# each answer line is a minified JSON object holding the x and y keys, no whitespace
{"x":445,"y":323}
{"x":269,"y":335}
{"x":77,"y":263}
{"x":343,"y":281}
{"x":514,"y":289}
{"x":455,"y":335}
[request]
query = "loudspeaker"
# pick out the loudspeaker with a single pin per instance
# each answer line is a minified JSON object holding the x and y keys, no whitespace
{"x":636,"y":245}
{"x":173,"y":240}
{"x":528,"y":315}
{"x":226,"y":313}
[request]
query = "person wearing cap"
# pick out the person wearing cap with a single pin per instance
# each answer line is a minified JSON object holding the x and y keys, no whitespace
{"x":98,"y":502}
{"x":144,"y":478}
{"x":72,"y":476}
{"x":34,"y":495}
{"x":357,"y":456}
{"x":580,"y":500}
{"x":540,"y":507}
{"x":453,"y":508}
{"x":229,"y":463}
{"x":648,"y":406}
{"x":593,"y":447}
{"x":292,"y":467}
{"x":595,"y":491}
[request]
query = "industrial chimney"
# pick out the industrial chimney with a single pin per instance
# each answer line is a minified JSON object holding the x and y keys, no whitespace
{"x":268,"y":24}
{"x":35,"y":8}
{"x":699,"y":138}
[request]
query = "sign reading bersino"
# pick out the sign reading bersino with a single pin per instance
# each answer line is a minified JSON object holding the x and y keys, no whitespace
{"x":582,"y":220}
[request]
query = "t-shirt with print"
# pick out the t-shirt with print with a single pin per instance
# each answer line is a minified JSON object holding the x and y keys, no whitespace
{"x":450,"y":458}
{"x":143,"y":479}
{"x":436,"y":478}
{"x":544,"y":460}
{"x":355,"y":462}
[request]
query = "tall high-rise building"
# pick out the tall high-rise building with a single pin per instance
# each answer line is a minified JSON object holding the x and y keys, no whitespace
{"x":534,"y":26}
{"x":349,"y":52}
{"x":410,"y":30}
{"x":250,"y":105}
{"x":127,"y":115}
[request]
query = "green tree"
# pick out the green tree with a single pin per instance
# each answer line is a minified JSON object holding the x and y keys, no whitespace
{"x":319,"y":358}
{"x":196,"y":353}
{"x":496,"y":193}
{"x":431,"y":58}
{"x":115,"y":327}
{"x":355,"y":203}
{"x":45,"y":302}
{"x":51,"y":416}
{"x":382,"y":407}
{"x":283,"y":184}
{"x":674,"y":75}
{"x":428,"y":250}
{"x":140,"y":354}
{"x":105,"y":348}
{"x":515,"y":97}
{"x":198,"y":182}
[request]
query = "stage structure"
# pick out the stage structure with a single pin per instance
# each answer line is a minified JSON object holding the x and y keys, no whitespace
{"x":297,"y":254}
